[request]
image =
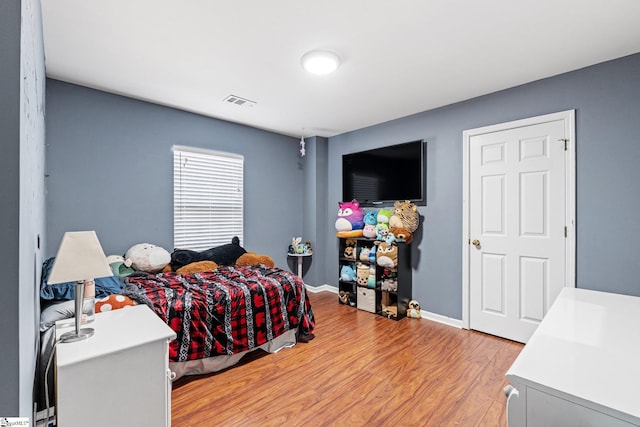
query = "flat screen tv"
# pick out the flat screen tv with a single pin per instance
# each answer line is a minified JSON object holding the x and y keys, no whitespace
{"x":383,"y":175}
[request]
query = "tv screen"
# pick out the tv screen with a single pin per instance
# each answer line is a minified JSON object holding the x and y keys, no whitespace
{"x":383,"y":175}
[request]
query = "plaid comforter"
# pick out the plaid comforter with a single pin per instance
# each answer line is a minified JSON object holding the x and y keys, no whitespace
{"x":225,"y":311}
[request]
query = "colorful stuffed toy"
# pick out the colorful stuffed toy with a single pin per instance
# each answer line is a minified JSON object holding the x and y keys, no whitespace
{"x":350,"y":219}
{"x":383,"y":216}
{"x":413,"y":309}
{"x":347,"y":273}
{"x":371,"y":280}
{"x":349,"y":249}
{"x":113,"y":302}
{"x":402,"y":234}
{"x":405,"y":215}
{"x":364,"y":254}
{"x":370,"y":221}
{"x":362,"y":273}
{"x":147,"y":258}
{"x":387,"y":255}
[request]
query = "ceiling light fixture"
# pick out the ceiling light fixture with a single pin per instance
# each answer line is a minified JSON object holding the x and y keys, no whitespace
{"x":320,"y":61}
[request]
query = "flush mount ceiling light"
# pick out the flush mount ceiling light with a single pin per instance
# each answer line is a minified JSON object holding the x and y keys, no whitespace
{"x":320,"y":61}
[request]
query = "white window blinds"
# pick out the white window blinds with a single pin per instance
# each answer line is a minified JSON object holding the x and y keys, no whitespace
{"x":207,"y":198}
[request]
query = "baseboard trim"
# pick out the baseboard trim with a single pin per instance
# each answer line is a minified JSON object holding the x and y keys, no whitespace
{"x":321,"y":288}
{"x":456,"y":323}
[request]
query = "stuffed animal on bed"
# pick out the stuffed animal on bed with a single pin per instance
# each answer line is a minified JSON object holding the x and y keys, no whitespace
{"x":197,"y":267}
{"x":222,"y":255}
{"x":252,"y":258}
{"x":113,"y":302}
{"x":350,"y":219}
{"x":147,"y":258}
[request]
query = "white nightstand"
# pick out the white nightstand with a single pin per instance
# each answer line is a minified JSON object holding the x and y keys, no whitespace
{"x":119,"y":376}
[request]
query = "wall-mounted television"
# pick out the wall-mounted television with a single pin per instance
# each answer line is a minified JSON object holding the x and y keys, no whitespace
{"x":383,"y":175}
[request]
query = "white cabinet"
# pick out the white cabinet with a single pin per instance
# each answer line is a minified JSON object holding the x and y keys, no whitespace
{"x":118,"y":377}
{"x":580,"y":367}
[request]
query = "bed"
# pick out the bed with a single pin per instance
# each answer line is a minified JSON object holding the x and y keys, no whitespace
{"x":218,"y":316}
{"x":221,"y":315}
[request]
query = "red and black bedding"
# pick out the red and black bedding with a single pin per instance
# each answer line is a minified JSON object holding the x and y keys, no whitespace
{"x":226,"y":311}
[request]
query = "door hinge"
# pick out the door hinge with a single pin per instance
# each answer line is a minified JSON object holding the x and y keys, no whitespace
{"x":565,"y":231}
{"x":566,"y":141}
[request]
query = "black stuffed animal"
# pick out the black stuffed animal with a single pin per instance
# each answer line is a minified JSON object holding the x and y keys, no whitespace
{"x":221,"y":255}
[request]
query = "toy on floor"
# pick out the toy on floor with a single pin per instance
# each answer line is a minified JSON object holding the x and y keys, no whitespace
{"x":413,"y":309}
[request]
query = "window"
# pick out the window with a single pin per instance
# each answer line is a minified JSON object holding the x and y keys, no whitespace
{"x":207,"y":198}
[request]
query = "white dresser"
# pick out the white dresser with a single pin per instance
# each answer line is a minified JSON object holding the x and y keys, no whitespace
{"x":581,"y":367}
{"x":118,"y":377}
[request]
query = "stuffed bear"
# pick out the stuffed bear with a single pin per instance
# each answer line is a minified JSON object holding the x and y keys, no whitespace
{"x":147,"y":258}
{"x":222,"y":255}
{"x":350,"y":219}
{"x":402,"y":234}
{"x":405,"y":215}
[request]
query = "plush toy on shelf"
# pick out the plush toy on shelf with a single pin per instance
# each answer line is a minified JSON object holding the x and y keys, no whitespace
{"x":370,"y":221}
{"x":387,"y":255}
{"x":349,"y":249}
{"x":362,"y":273}
{"x":364,"y":254}
{"x":402,"y":234}
{"x":372,"y":255}
{"x":347,"y":273}
{"x":371,"y":280}
{"x":350,"y":219}
{"x":405,"y":215}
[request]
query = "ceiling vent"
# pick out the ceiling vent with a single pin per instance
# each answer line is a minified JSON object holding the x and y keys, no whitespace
{"x":237,"y":100}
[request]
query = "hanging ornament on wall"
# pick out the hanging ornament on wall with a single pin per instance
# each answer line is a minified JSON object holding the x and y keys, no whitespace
{"x":302,"y":144}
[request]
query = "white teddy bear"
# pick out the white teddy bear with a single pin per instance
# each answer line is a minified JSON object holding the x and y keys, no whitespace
{"x":147,"y":258}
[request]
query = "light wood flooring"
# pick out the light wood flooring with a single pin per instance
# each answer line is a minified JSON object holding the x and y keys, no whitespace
{"x":360,"y":370}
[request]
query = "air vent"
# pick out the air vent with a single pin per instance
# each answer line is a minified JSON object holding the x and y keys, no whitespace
{"x":237,"y":100}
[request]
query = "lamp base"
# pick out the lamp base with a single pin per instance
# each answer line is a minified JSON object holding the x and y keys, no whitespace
{"x":74,"y":336}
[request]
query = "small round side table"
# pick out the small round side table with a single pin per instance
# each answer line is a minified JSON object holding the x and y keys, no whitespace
{"x":300,"y":258}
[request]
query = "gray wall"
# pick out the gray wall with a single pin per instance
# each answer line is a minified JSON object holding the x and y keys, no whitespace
{"x":606,"y":98}
{"x":22,"y":215}
{"x":110,"y":169}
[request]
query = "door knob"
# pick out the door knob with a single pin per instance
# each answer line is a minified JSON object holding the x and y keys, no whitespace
{"x":476,"y":243}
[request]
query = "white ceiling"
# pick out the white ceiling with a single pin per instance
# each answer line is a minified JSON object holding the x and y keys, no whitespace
{"x":399,"y":57}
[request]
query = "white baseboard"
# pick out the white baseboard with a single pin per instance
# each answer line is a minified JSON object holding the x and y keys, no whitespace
{"x":321,"y":288}
{"x":456,"y":323}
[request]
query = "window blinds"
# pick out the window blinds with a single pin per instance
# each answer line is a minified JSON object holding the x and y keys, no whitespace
{"x":207,"y":198}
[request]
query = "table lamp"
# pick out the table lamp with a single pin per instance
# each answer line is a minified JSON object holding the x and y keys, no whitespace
{"x":80,"y":259}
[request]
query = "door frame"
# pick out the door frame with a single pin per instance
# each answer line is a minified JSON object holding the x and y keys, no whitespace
{"x":568,"y":117}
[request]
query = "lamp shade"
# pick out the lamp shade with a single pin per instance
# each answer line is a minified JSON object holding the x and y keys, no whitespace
{"x":80,"y":257}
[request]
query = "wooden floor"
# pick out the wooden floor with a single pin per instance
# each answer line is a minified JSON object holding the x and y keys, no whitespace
{"x":360,"y":370}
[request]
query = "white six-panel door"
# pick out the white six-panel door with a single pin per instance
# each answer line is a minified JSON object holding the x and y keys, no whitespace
{"x":517,"y":236}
